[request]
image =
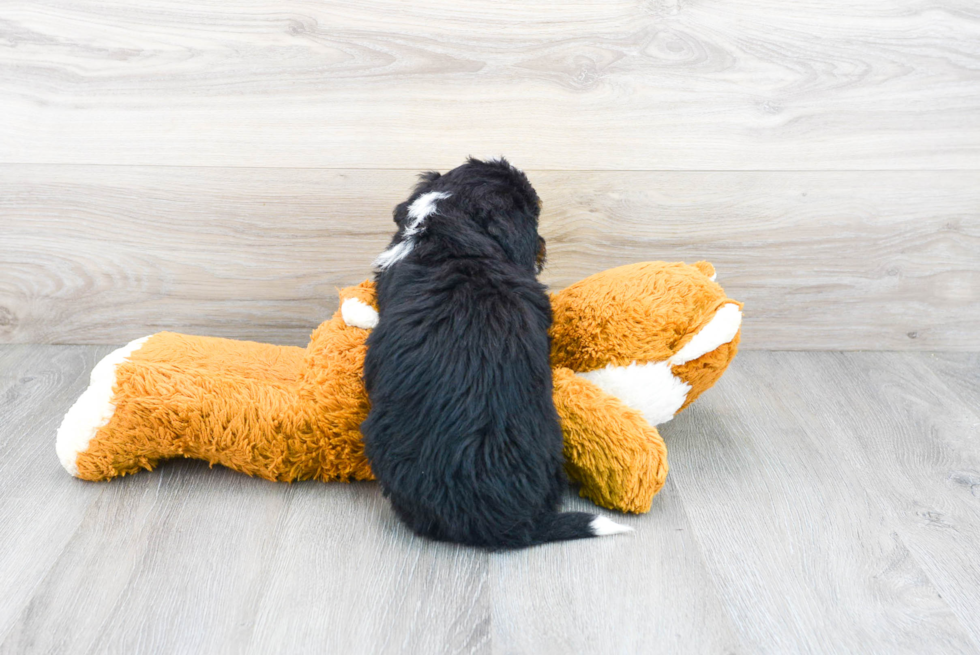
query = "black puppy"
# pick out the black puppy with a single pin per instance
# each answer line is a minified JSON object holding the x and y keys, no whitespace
{"x":463,"y":434}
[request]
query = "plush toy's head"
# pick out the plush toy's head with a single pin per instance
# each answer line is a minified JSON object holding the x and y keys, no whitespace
{"x":654,"y":334}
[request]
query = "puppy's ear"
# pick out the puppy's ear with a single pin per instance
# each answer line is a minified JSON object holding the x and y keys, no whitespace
{"x":425,"y":179}
{"x":518,"y":238}
{"x":400,"y":214}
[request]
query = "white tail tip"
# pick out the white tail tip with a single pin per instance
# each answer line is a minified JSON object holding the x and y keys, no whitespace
{"x":603,"y":527}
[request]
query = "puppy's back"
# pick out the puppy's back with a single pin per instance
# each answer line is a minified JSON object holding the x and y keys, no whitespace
{"x":463,"y":433}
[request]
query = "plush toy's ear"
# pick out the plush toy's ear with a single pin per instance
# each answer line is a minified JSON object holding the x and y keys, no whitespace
{"x":359,"y":306}
{"x":707,"y":269}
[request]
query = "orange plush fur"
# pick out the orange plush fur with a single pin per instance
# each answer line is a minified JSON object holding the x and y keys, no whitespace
{"x":286,"y":413}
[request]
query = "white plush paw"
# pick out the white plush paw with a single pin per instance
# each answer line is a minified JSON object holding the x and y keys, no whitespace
{"x":358,"y":313}
{"x":93,"y":409}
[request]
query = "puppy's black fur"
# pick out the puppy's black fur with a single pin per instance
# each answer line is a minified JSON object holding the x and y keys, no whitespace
{"x":463,"y":434}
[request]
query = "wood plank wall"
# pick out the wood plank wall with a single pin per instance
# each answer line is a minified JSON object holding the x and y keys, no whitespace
{"x":219,"y":167}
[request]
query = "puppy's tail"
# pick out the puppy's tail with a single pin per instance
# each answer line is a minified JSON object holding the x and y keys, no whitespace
{"x":576,"y":525}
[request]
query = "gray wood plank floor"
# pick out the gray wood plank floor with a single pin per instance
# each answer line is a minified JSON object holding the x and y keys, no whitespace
{"x":817,"y":503}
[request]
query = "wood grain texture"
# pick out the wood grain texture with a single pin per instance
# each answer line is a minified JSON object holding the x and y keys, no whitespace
{"x":918,"y":449}
{"x":624,"y":85}
{"x":650,"y":592}
{"x":822,"y":260}
{"x":796,"y":530}
{"x":960,"y":373}
{"x":38,"y":513}
{"x":817,"y":503}
{"x":351,"y":578}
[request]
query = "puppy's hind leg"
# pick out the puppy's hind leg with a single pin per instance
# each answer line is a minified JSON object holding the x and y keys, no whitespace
{"x":419,"y":521}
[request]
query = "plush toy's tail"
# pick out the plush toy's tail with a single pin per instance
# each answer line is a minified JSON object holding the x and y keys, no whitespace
{"x":576,"y":525}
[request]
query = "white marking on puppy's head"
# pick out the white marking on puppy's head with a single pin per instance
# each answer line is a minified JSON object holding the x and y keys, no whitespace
{"x":393,"y":254}
{"x":420,"y":209}
{"x":357,"y":313}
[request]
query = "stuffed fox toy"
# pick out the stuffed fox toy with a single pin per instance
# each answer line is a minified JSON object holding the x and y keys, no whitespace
{"x":631,"y":347}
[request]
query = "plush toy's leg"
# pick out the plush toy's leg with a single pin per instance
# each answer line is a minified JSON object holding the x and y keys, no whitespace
{"x":93,"y":409}
{"x":170,"y":395}
{"x":618,"y":457}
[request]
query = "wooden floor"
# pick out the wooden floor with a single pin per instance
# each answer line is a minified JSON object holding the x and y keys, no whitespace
{"x":817,"y":503}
